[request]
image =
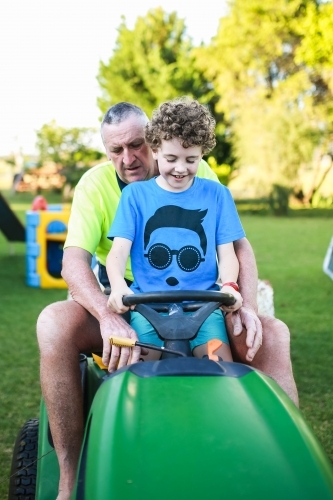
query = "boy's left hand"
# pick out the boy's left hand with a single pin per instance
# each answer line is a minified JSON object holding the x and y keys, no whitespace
{"x":238,"y":297}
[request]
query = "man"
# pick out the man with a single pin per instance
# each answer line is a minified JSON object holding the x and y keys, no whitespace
{"x":85,"y":324}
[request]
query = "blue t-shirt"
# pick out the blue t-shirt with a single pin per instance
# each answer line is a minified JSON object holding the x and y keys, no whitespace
{"x":175,"y":235}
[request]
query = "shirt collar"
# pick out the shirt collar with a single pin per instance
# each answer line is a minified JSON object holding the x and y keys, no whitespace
{"x":121,"y":183}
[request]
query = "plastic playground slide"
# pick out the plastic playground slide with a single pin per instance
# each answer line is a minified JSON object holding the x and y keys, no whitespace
{"x":10,"y":225}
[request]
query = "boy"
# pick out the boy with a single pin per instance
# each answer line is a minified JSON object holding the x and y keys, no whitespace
{"x":175,"y":224}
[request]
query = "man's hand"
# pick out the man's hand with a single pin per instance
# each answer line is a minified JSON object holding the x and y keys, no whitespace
{"x":116,"y":357}
{"x":246,"y":318}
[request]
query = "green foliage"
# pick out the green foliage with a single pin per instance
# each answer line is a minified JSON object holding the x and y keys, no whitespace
{"x":275,"y":139}
{"x":69,"y":148}
{"x":315,"y":49}
{"x":222,"y":171}
{"x":144,"y":64}
{"x":154,"y":62}
{"x":279,"y":199}
{"x":271,"y":64}
{"x":320,"y":201}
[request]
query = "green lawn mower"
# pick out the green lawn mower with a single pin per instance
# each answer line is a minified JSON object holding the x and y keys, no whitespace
{"x":180,"y":427}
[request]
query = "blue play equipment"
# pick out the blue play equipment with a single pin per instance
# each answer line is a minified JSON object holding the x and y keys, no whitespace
{"x":46,"y":234}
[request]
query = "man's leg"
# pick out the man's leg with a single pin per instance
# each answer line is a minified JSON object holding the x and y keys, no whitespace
{"x":273,"y":357}
{"x":65,"y":329}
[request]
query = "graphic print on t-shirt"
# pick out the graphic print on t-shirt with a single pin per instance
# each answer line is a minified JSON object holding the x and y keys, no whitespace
{"x":189,"y":256}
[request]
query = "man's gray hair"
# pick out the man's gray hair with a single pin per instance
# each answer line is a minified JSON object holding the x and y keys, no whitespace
{"x":121,"y":111}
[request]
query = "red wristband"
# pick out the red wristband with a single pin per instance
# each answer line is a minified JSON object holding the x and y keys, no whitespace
{"x":232,"y":284}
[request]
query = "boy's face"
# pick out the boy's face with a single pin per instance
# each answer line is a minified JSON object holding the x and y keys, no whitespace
{"x":177,"y":165}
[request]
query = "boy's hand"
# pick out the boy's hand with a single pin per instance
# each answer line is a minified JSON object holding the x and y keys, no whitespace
{"x":238,"y":297}
{"x":115,"y":302}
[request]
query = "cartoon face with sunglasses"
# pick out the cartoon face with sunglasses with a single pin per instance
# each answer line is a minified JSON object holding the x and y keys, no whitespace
{"x":188,"y":257}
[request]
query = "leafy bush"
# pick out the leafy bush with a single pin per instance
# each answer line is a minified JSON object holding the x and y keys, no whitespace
{"x":279,"y":199}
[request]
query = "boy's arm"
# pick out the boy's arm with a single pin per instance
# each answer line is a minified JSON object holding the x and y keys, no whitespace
{"x":228,"y":271}
{"x":115,"y":266}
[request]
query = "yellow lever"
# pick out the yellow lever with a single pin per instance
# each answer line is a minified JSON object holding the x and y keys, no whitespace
{"x":122,"y":342}
{"x":118,"y":341}
{"x":99,"y":362}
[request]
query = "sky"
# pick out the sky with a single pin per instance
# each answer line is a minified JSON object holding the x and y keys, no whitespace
{"x":50,"y":53}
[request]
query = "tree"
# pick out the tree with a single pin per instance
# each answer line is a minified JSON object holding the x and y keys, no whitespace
{"x":155,"y":62}
{"x":275,"y":91}
{"x":315,"y":51}
{"x":69,"y":148}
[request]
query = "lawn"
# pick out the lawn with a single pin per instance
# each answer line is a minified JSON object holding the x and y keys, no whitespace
{"x":19,"y":362}
{"x":289,"y":253}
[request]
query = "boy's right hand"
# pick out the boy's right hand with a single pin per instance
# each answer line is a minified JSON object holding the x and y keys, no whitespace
{"x":115,"y":302}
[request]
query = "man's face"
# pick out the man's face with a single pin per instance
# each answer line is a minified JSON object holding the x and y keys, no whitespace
{"x":125,"y":146}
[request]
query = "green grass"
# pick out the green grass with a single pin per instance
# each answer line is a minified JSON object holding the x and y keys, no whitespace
{"x":20,"y":306}
{"x":261,"y":207}
{"x":289,"y":252}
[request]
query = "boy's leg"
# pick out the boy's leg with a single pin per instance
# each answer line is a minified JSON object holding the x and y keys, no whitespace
{"x":213,"y":328}
{"x":146,"y":333}
{"x":224,"y":351}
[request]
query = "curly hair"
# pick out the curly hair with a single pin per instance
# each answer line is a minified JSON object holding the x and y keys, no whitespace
{"x":185,"y":119}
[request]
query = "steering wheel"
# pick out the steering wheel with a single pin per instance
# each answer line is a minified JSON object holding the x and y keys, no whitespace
{"x":176,"y":296}
{"x":177,"y":325}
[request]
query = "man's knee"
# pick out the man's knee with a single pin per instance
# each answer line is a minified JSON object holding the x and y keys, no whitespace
{"x":274,"y":331}
{"x":48,"y":325}
{"x":60,"y":323}
{"x":68,"y":327}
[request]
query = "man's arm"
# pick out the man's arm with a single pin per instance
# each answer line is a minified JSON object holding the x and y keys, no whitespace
{"x":248,"y":273}
{"x":246,"y":317}
{"x":85,"y":290}
{"x":81,"y":281}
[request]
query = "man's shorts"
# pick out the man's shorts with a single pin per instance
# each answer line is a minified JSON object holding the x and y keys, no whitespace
{"x":212,"y":328}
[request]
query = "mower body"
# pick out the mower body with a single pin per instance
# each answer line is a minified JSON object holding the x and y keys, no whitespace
{"x":189,"y":428}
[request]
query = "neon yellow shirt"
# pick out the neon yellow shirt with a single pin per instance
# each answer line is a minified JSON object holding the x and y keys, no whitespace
{"x":94,"y":206}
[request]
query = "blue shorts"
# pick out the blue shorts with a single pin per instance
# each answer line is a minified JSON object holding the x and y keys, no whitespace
{"x":212,"y":328}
